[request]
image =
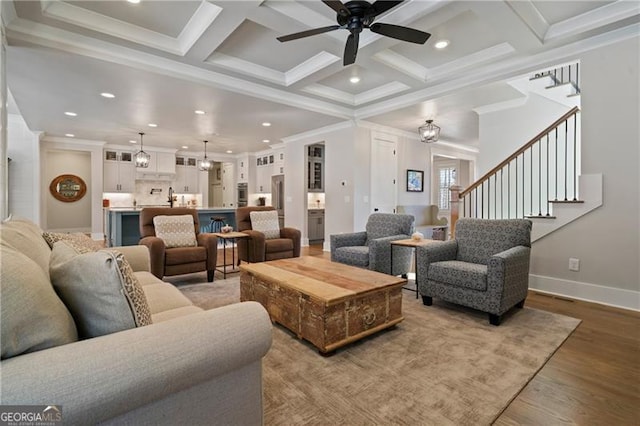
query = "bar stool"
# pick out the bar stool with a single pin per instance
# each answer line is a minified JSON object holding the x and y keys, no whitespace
{"x":216,"y":224}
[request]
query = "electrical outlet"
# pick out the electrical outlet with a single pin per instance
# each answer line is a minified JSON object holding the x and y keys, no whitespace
{"x":574,"y":264}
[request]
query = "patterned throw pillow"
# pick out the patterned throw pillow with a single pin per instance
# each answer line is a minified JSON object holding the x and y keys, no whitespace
{"x":176,"y":230}
{"x":266,"y":222}
{"x":78,"y":239}
{"x":99,"y":289}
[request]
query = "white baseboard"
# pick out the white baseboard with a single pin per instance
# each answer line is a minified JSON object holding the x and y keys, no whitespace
{"x":610,"y":296}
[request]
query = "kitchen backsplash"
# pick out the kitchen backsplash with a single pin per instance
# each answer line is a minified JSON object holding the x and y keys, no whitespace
{"x":315,"y":200}
{"x":152,"y":193}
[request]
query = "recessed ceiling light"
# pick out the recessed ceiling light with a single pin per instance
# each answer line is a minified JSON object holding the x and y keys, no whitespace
{"x":441,"y":44}
{"x":266,"y":124}
{"x":229,"y":151}
{"x":153,"y":125}
{"x":132,"y":141}
{"x":134,"y":1}
{"x":70,"y":135}
{"x":199,"y":112}
{"x":107,"y":95}
{"x":70,"y":114}
{"x":354,"y":79}
{"x":266,"y":140}
{"x":185,"y":147}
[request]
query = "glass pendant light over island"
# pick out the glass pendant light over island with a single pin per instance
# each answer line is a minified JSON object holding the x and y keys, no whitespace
{"x":142,"y":158}
{"x":205,"y":164}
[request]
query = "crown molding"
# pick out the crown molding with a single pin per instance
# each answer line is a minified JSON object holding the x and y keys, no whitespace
{"x":508,"y":68}
{"x":500,"y":106}
{"x":56,"y":38}
{"x":327,"y":92}
{"x":84,"y":143}
{"x":247,"y":68}
{"x":401,"y":63}
{"x":202,"y":18}
{"x":374,"y":127}
{"x":310,"y":66}
{"x":595,"y":18}
{"x":531,"y":16}
{"x":482,"y":56}
{"x":318,"y":132}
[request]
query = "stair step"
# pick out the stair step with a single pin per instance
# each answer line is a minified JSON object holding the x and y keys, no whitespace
{"x":539,"y":217}
{"x":543,"y":75}
{"x":573,"y":94}
{"x":566,"y":201}
{"x":558,"y":85}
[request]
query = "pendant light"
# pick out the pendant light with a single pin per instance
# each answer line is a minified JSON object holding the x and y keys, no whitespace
{"x":142,"y":158}
{"x":429,"y":132}
{"x":205,"y":164}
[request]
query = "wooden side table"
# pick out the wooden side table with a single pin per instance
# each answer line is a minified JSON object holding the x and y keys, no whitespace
{"x":232,"y":237}
{"x":413,"y":244}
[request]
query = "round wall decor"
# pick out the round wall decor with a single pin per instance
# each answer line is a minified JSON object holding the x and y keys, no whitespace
{"x":68,"y":188}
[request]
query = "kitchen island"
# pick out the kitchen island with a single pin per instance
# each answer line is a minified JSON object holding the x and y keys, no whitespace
{"x":122,"y":224}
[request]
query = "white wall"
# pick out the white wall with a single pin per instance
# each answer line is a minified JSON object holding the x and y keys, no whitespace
{"x":503,"y":132}
{"x":62,"y":216}
{"x":413,"y":155}
{"x":607,"y":241}
{"x":24,"y":169}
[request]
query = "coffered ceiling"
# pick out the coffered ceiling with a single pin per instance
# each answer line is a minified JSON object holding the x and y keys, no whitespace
{"x":165,"y":59}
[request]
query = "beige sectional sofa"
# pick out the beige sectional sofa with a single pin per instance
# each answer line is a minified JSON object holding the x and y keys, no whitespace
{"x":188,"y":367}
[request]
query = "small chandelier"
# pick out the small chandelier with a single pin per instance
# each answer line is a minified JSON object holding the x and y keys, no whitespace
{"x":142,"y":158}
{"x":429,"y":132}
{"x":205,"y":164}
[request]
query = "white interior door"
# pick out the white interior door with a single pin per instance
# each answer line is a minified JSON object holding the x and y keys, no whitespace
{"x":384,"y":171}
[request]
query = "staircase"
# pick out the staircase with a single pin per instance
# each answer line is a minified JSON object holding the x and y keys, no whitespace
{"x":541,"y":180}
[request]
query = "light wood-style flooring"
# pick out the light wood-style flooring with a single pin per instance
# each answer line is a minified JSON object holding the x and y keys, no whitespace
{"x":592,"y":379}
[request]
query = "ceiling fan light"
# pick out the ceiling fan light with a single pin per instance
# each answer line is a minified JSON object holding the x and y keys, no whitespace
{"x":141,"y":158}
{"x":429,"y":132}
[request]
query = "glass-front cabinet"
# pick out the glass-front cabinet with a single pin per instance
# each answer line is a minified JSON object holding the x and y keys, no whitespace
{"x":315,"y":168}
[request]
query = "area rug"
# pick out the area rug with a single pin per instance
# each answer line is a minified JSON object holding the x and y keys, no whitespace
{"x":442,"y":365}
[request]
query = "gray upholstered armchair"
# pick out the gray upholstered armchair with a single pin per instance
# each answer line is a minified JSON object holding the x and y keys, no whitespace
{"x":485,"y":267}
{"x":372,"y":249}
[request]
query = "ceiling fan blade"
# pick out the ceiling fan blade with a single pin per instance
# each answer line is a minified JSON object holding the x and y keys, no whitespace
{"x":351,"y":49}
{"x":307,"y":33}
{"x":338,"y":6}
{"x":400,"y":33}
{"x":382,"y":6}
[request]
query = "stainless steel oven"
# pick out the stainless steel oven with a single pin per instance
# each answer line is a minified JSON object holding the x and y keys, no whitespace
{"x":243,"y":194}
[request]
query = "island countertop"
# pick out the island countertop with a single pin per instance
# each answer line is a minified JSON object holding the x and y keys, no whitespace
{"x":123,"y":223}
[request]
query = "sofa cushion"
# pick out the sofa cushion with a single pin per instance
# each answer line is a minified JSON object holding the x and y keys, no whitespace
{"x":175,"y":230}
{"x":266,"y":222}
{"x":479,"y":239}
{"x":459,"y":274}
{"x":100,"y":290}
{"x":356,"y":255}
{"x":162,"y":296}
{"x":79,"y":240}
{"x":32,"y":316}
{"x":26,"y":237}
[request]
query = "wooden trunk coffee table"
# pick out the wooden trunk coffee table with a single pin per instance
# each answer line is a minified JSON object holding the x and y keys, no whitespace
{"x":326,"y":303}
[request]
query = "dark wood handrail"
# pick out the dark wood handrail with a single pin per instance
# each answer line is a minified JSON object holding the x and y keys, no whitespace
{"x":526,"y":146}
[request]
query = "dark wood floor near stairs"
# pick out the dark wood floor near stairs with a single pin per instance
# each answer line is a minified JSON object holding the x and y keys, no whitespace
{"x":593,"y":379}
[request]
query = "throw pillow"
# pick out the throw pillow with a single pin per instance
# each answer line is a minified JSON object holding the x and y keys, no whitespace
{"x":26,"y":237}
{"x":100,"y":290}
{"x":79,"y":240}
{"x":32,"y":317}
{"x":266,"y":222}
{"x":175,"y":230}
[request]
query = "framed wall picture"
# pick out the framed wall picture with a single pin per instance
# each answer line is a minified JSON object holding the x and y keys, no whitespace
{"x":415,"y":181}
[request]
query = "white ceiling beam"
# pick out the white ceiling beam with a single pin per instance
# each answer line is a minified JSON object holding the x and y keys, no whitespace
{"x":531,"y":16}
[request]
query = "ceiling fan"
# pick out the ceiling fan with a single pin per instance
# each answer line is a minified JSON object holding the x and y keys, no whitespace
{"x":357,"y":15}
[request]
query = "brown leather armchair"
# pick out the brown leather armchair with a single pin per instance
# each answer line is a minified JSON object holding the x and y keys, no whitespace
{"x":259,"y":249}
{"x":178,"y":260}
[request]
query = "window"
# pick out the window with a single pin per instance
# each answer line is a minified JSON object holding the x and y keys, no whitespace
{"x":446,"y":178}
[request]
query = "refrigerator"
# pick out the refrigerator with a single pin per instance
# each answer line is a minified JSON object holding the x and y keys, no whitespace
{"x":277,"y":196}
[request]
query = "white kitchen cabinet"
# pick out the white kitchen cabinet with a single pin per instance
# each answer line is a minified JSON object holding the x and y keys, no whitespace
{"x":118,"y":171}
{"x":243,"y":169}
{"x":278,"y":164}
{"x":263,"y":178}
{"x":159,"y":163}
{"x":228,"y":185}
{"x":186,"y":177}
{"x":315,"y":224}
